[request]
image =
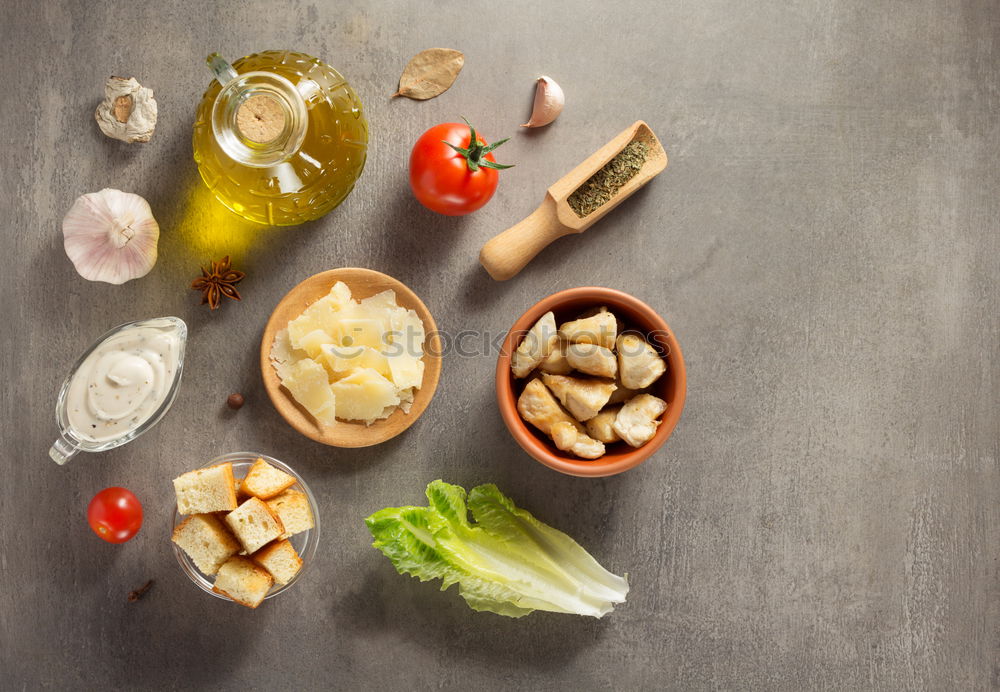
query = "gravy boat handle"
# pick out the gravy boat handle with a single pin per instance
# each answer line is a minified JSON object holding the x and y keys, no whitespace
{"x":63,"y":450}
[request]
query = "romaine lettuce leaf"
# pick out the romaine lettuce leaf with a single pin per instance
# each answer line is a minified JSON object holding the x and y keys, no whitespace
{"x":504,"y":561}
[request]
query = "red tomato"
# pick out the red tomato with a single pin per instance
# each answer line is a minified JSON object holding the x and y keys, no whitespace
{"x":452,"y":170}
{"x":115,"y":514}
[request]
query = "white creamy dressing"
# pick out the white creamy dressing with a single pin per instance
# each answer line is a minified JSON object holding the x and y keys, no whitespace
{"x":122,"y":382}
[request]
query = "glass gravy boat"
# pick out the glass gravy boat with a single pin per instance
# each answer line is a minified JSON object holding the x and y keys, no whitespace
{"x":70,"y":440}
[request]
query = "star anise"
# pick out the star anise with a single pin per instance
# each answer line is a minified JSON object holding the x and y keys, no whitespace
{"x":220,"y":281}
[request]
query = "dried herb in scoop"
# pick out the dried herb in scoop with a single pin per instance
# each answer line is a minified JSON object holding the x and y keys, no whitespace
{"x":603,"y":185}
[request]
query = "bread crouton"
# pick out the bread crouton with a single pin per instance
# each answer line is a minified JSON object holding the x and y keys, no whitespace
{"x":212,"y":489}
{"x":265,"y":481}
{"x":280,"y":559}
{"x":243,"y":581}
{"x":206,"y":541}
{"x":292,"y":507}
{"x":254,"y":524}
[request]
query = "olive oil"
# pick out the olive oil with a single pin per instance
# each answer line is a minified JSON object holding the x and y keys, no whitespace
{"x":279,"y":137}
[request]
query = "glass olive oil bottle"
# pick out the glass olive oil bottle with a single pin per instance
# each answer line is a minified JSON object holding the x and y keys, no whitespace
{"x":279,"y":137}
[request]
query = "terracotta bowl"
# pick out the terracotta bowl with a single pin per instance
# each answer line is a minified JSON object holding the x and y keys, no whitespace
{"x":636,"y":316}
{"x":363,"y":283}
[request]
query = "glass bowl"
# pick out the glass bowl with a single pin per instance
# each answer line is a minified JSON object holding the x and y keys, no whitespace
{"x":304,"y":543}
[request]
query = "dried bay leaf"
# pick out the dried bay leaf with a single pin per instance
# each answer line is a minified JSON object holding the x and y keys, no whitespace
{"x":430,"y":73}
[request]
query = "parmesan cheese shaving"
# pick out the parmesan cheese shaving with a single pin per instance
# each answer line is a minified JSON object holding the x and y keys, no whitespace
{"x":351,"y":360}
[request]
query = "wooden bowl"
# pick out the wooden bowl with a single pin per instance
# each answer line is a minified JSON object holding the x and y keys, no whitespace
{"x":636,"y":316}
{"x":363,"y":283}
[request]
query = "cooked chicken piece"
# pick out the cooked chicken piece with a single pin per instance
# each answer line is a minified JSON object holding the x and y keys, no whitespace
{"x":535,"y":346}
{"x":592,"y":359}
{"x":556,"y":363}
{"x":639,"y":365}
{"x":584,"y":399}
{"x":636,"y":423}
{"x":600,"y":427}
{"x":622,"y":394}
{"x":564,"y":435}
{"x":603,"y":308}
{"x":537,"y":406}
{"x":569,"y":439}
{"x":598,"y":329}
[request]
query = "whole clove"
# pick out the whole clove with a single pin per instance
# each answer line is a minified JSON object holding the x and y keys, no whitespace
{"x":134,"y":596}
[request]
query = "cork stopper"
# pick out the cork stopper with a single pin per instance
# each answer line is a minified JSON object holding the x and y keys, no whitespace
{"x":260,"y":118}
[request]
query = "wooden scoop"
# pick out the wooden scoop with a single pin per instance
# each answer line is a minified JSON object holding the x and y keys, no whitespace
{"x":508,"y":253}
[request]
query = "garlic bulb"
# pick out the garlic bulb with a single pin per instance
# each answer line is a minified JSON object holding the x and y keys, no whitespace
{"x":549,"y":100}
{"x":111,"y":236}
{"x":128,"y":111}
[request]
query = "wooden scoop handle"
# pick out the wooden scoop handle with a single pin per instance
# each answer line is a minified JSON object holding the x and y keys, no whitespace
{"x":507,"y":254}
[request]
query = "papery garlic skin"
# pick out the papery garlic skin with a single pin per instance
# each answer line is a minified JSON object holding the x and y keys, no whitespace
{"x":549,"y":101}
{"x":111,"y":236}
{"x":128,"y":111}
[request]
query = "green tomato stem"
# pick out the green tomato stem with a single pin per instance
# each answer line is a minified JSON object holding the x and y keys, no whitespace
{"x":476,"y":152}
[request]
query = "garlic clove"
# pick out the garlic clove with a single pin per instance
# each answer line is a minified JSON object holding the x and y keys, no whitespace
{"x":549,"y":100}
{"x":111,"y":236}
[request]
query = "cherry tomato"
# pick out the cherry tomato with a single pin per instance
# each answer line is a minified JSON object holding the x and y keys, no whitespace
{"x":115,"y":514}
{"x":452,"y":170}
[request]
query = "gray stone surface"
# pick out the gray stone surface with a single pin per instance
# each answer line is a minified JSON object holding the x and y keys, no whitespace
{"x":824,"y":243}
